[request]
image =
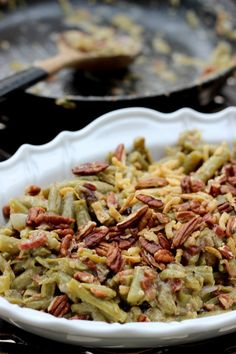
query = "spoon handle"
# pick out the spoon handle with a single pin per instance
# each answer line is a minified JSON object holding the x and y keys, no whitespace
{"x":21,"y":80}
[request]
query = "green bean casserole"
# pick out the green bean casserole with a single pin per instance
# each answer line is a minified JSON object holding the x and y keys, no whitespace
{"x":127,"y":240}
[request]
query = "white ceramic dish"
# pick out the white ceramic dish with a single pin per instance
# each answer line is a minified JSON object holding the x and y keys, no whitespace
{"x":53,"y":161}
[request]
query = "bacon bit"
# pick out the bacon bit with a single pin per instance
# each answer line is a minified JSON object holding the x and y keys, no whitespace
{"x":151,"y":182}
{"x":184,"y":216}
{"x":98,"y":293}
{"x":175,"y":284}
{"x":86,"y":229}
{"x":90,"y":186}
{"x":163,"y":219}
{"x":112,"y":200}
{"x":114,"y":258}
{"x":65,"y":245}
{"x":119,"y":152}
{"x":33,"y":190}
{"x":224,"y":207}
{"x":163,"y":241}
{"x":59,"y":306}
{"x":63,"y":232}
{"x":96,"y":236}
{"x":143,"y":318}
{"x":214,"y":190}
{"x":6,"y":211}
{"x":90,"y":168}
{"x":225,"y":300}
{"x":132,"y":218}
{"x":185,"y":231}
{"x":35,"y":242}
{"x":147,"y":281}
{"x":84,"y":277}
{"x":149,"y":200}
{"x":219,"y":231}
{"x":164,"y":256}
{"x":226,"y":252}
{"x":83,"y":317}
{"x":33,"y":214}
{"x":149,"y":246}
{"x":231,"y":226}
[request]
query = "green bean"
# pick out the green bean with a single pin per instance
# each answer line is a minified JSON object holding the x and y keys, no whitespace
{"x":87,"y":309}
{"x":54,"y":199}
{"x":9,"y":244}
{"x":192,"y":161}
{"x":209,"y":167}
{"x":17,"y":206}
{"x":166,"y":300}
{"x":81,"y":212}
{"x":109,"y":308}
{"x":136,"y":294}
{"x":68,"y":206}
{"x":101,"y":213}
{"x":24,"y":279}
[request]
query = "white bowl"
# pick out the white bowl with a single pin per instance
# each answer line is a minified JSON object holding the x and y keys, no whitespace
{"x":53,"y":161}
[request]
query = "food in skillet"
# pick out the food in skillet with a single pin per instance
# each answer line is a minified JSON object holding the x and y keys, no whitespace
{"x":130,"y":239}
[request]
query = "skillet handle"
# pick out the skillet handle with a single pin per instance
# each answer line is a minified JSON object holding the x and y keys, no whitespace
{"x":21,"y":80}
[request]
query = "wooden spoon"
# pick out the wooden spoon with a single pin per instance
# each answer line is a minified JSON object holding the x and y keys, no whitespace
{"x":77,"y":50}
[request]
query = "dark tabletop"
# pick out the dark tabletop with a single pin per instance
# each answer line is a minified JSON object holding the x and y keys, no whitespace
{"x":19,"y":125}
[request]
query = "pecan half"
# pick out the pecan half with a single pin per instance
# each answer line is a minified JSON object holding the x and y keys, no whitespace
{"x":150,"y":201}
{"x":185,"y":231}
{"x":126,"y":243}
{"x":191,"y":185}
{"x":149,"y":259}
{"x":114,"y":258}
{"x":184,"y":216}
{"x":163,"y":241}
{"x":90,"y":186}
{"x":63,"y":232}
{"x":36,"y":241}
{"x":102,"y":249}
{"x":149,"y":246}
{"x":163,"y":219}
{"x":33,"y":213}
{"x":119,"y":151}
{"x":151,"y":182}
{"x":59,"y":306}
{"x":164,"y":256}
{"x":90,"y":168}
{"x":132,"y":218}
{"x":86,"y":229}
{"x":219,"y":231}
{"x":33,"y":190}
{"x":146,"y":220}
{"x":224,"y":207}
{"x":96,"y":236}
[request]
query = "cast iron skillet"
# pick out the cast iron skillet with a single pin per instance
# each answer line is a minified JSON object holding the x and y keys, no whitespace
{"x":30,"y":31}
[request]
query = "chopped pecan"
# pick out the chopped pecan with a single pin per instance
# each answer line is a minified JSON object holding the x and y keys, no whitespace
{"x":36,"y":241}
{"x":190,"y":185}
{"x":89,"y":168}
{"x":164,"y":256}
{"x":96,"y":236}
{"x":150,"y":201}
{"x":119,"y":152}
{"x":114,"y":258}
{"x":102,"y":249}
{"x":184,"y":216}
{"x":112,"y":200}
{"x":225,"y":300}
{"x":149,"y":277}
{"x":63,"y":232}
{"x":6,"y":211}
{"x":90,"y":186}
{"x":86,"y":229}
{"x":228,"y":189}
{"x":114,"y":232}
{"x":55,"y":221}
{"x":33,"y":190}
{"x":149,"y":259}
{"x":33,"y":214}
{"x":126,"y":243}
{"x":149,"y":246}
{"x":151,"y":182}
{"x":143,"y":318}
{"x":231,"y":226}
{"x":197,"y":207}
{"x":59,"y":306}
{"x":214,"y":189}
{"x":232,"y":180}
{"x":65,"y":245}
{"x":224,"y":207}
{"x":226,"y":252}
{"x":163,"y":241}
{"x":209,"y":219}
{"x":84,"y":277}
{"x":132,"y":218}
{"x":185,"y":231}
